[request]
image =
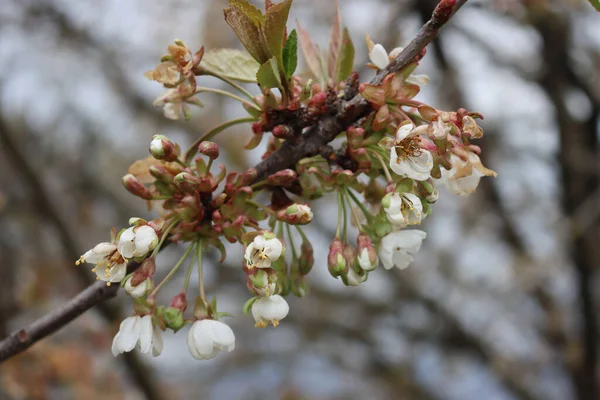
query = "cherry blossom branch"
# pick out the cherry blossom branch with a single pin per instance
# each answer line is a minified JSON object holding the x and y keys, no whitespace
{"x":342,"y":114}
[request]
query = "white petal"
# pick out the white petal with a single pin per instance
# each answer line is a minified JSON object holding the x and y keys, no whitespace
{"x":402,"y":259}
{"x":379,"y":56}
{"x":396,"y":52}
{"x":365,"y":262}
{"x":117,"y":273}
{"x":403,"y":132}
{"x":126,"y":243}
{"x":418,"y":79}
{"x":268,"y":309}
{"x":223,"y":336}
{"x":386,"y":256}
{"x":157,"y":343}
{"x":273,"y":249}
{"x":145,"y":240}
{"x":146,"y":333}
{"x":171,"y":111}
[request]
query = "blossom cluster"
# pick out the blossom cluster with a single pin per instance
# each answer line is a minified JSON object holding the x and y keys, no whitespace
{"x":384,"y":177}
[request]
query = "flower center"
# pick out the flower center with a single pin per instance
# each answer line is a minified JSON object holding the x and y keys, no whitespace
{"x":409,"y":147}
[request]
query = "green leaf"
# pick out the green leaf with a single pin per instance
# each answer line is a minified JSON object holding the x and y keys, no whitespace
{"x":248,"y":304}
{"x":290,"y":54}
{"x":346,"y":57}
{"x":247,"y":31}
{"x":268,"y":75}
{"x":231,"y":63}
{"x":274,"y":28}
{"x":595,"y":4}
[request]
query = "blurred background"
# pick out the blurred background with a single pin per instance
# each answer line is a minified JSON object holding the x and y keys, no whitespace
{"x":501,"y":303}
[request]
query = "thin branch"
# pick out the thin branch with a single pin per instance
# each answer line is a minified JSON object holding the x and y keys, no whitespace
{"x":287,"y":155}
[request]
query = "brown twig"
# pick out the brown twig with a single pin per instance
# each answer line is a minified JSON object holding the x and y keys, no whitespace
{"x":287,"y":155}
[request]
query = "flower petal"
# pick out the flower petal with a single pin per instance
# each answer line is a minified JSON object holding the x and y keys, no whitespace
{"x":379,"y":56}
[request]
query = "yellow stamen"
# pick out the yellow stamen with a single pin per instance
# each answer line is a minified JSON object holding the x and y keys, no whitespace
{"x":260,"y":324}
{"x":275,"y":323}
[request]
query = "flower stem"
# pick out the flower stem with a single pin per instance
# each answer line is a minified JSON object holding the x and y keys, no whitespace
{"x":345,"y":215}
{"x":385,"y":169}
{"x":358,"y":224}
{"x":173,"y":271}
{"x":201,"y":89}
{"x":189,"y":272}
{"x":301,"y":232}
{"x":289,"y":232}
{"x":189,"y":154}
{"x":200,"y":278}
{"x":360,"y":205}
{"x":164,"y":237}
{"x":264,"y":208}
{"x":235,"y":85}
{"x":339,"y":223}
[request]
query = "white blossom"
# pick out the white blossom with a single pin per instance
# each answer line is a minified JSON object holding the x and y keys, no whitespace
{"x":263,"y":251}
{"x":407,"y":158}
{"x":137,"y":241}
{"x":397,"y":248}
{"x":269,"y":310}
{"x":137,"y":330}
{"x":464,"y":176}
{"x":109,"y":263}
{"x":140,"y":290}
{"x":207,"y":337}
{"x":403,"y":210}
{"x":381,"y":59}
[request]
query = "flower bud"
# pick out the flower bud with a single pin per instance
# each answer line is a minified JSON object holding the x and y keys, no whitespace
{"x":282,"y":178}
{"x":160,"y":173}
{"x":350,"y":255}
{"x":135,"y":187}
{"x":296,"y":214}
{"x":162,"y":148}
{"x":186,"y":182}
{"x":367,"y":253}
{"x":173,"y":318}
{"x":262,"y":282}
{"x":354,"y":278}
{"x":140,"y":289}
{"x":336,"y":262}
{"x":248,"y":177}
{"x":209,"y":149}
{"x":307,"y":258}
{"x":283,"y":132}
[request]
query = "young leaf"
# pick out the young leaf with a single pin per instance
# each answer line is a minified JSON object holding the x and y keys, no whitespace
{"x":290,"y":54}
{"x":268,"y":74}
{"x":310,"y":51}
{"x":595,"y":4}
{"x":247,"y":31}
{"x":334,"y":44}
{"x":346,"y":57}
{"x":231,"y":63}
{"x":274,"y":28}
{"x":248,"y":305}
{"x":249,"y":10}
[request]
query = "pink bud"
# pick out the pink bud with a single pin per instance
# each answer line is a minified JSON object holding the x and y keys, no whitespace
{"x":336,"y":262}
{"x":282,"y":178}
{"x":209,"y":149}
{"x":179,"y":301}
{"x":135,"y":187}
{"x":162,"y":148}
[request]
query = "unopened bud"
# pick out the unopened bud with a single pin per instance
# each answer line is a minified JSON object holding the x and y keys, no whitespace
{"x":367,"y":253}
{"x":160,"y":173}
{"x":282,"y":178}
{"x":140,"y":289}
{"x":354,"y":277}
{"x":162,"y":148}
{"x":283,"y":132}
{"x":186,"y":182}
{"x":296,"y":214}
{"x":248,"y":177}
{"x":336,"y":262}
{"x":136,"y":187}
{"x":209,"y":149}
{"x":173,"y":318}
{"x":307,"y":258}
{"x":350,"y":254}
{"x":179,"y":301}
